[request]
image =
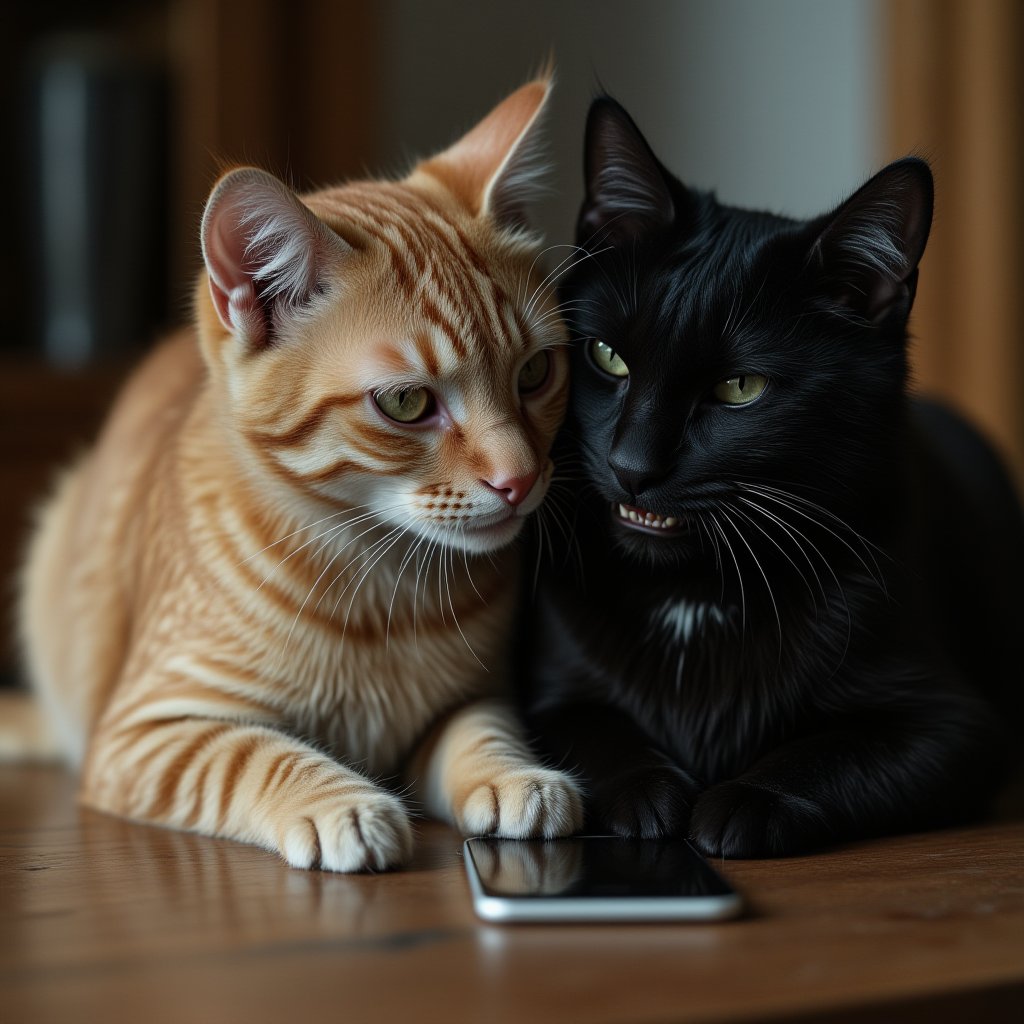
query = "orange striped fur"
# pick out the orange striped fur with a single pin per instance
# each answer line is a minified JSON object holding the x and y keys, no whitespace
{"x":258,"y":596}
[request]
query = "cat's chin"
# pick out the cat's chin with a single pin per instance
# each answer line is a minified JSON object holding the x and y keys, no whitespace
{"x":487,"y":537}
{"x":656,"y":539}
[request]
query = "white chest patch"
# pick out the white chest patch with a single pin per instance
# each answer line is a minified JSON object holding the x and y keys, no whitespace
{"x":682,"y":620}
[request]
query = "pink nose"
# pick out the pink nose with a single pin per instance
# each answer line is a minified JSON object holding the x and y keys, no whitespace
{"x":513,"y":489}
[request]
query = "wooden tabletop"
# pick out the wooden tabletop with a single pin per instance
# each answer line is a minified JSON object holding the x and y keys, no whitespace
{"x":102,"y":920}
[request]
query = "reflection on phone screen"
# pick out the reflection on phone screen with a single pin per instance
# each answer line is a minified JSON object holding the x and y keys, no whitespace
{"x":593,"y":867}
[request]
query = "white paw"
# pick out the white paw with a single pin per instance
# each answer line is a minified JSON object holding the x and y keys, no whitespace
{"x":524,"y":802}
{"x":371,"y":833}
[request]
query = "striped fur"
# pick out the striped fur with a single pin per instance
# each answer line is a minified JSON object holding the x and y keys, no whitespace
{"x":258,"y":597}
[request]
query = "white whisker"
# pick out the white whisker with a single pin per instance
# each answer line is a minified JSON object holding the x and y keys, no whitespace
{"x":875,"y":575}
{"x":760,"y":569}
{"x":739,"y":575}
{"x":451,"y":605}
{"x":749,"y":519}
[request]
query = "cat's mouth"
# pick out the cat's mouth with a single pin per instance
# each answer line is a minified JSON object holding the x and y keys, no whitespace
{"x":647,"y":521}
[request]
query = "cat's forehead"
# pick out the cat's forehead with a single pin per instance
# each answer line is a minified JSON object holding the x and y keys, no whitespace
{"x":439,"y":290}
{"x":723,"y":254}
{"x":420,"y":235}
{"x":712,"y":279}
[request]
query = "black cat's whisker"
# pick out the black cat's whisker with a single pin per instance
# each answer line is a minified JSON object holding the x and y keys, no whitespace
{"x":739,"y":574}
{"x":876,"y":577}
{"x":775,"y":518}
{"x":799,"y":499}
{"x":760,"y":569}
{"x":840,"y":590}
{"x":719,"y":568}
{"x":789,"y":532}
{"x":703,"y":535}
{"x":743,"y":515}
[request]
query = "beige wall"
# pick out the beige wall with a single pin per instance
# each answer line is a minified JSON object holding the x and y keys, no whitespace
{"x":773,"y":103}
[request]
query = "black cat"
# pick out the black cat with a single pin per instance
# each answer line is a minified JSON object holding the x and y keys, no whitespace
{"x":792,"y":615}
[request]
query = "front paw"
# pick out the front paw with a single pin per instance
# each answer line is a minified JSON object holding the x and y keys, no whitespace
{"x":738,"y":819}
{"x":522,"y":802}
{"x":366,"y":833}
{"x":644,"y":803}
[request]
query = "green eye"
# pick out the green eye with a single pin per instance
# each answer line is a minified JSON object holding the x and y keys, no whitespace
{"x":741,"y":390}
{"x":534,"y":372}
{"x":406,"y":405}
{"x":607,"y":359}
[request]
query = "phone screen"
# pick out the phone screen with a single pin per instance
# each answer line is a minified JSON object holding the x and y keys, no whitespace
{"x":592,"y":868}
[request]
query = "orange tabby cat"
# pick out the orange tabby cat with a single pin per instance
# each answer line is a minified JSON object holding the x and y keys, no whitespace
{"x":262,"y":591}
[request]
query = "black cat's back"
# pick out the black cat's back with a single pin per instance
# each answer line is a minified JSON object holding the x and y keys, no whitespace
{"x":966,"y":527}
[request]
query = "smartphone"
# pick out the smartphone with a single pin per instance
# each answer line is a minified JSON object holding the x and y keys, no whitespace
{"x":595,"y":878}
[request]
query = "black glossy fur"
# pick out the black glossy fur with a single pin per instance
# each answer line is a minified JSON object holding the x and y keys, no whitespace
{"x":827,"y":649}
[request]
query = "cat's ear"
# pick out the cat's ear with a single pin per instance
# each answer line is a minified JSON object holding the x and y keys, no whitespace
{"x":495,"y":169}
{"x":627,"y":190}
{"x":265,"y":253}
{"x":866,"y":252}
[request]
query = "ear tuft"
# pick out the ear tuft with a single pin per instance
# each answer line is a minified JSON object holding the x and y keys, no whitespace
{"x":520,"y":181}
{"x":265,"y":252}
{"x":627,"y":190}
{"x":867,"y":251}
{"x":496,"y":169}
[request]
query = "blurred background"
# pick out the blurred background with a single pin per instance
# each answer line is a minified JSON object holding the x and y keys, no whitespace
{"x":117,"y":115}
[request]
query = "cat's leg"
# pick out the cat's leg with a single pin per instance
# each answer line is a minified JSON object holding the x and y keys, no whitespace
{"x":633,"y":789}
{"x":891,"y":769}
{"x":247,"y":782}
{"x":476,"y":771}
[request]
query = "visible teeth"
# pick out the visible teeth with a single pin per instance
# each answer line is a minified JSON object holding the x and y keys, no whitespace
{"x":652,"y":520}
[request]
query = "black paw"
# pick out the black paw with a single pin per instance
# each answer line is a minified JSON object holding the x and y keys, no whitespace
{"x":737,"y":819}
{"x":644,"y":803}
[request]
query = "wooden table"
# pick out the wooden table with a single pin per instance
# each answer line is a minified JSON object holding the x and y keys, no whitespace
{"x":102,"y":920}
